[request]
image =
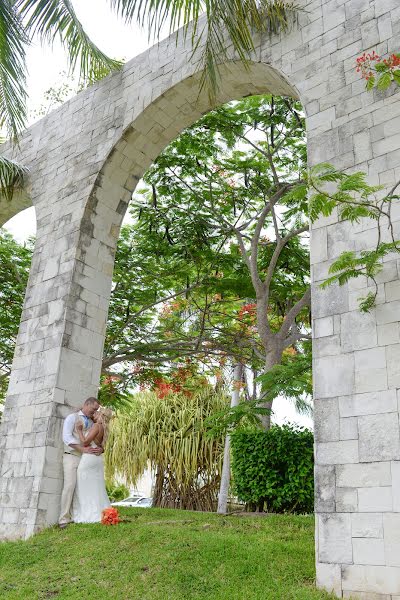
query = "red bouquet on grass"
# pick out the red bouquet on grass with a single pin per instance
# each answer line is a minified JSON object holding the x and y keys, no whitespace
{"x":110,"y":516}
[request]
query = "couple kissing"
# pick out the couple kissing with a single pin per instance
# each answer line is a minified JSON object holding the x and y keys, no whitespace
{"x":84,"y":495}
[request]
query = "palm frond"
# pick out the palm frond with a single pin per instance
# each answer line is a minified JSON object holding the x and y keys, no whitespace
{"x":12,"y":69}
{"x":239,"y":18}
{"x":11,"y":177}
{"x":56,"y":18}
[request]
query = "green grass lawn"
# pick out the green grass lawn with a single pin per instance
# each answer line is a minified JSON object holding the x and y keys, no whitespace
{"x":166,"y":555}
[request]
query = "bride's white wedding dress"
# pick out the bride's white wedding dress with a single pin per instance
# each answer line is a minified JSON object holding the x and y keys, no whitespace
{"x":90,"y":497}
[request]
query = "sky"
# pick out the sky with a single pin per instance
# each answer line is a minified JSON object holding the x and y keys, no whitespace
{"x":45,"y":68}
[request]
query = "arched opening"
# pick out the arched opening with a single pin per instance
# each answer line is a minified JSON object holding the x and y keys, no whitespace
{"x":167,"y":116}
{"x":164,"y":120}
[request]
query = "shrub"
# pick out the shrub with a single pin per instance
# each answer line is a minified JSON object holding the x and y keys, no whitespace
{"x":117,"y":492}
{"x":273,"y":470}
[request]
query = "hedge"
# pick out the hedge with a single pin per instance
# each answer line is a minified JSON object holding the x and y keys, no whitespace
{"x":273,"y":470}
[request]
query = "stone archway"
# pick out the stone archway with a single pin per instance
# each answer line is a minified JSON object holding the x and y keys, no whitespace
{"x":86,"y":158}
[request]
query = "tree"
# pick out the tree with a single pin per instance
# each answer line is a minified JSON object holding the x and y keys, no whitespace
{"x":232,"y":185}
{"x":15,"y":260}
{"x":168,"y":434}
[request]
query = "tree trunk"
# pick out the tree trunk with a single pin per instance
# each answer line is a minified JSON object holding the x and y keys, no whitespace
{"x":226,"y":466}
{"x":273,"y":358}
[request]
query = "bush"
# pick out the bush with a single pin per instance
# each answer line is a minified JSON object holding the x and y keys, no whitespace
{"x":117,"y":492}
{"x":273,"y":470}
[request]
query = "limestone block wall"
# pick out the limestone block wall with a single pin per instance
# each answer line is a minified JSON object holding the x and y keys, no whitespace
{"x":85,"y":160}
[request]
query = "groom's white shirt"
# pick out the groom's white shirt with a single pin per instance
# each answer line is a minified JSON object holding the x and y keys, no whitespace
{"x":69,"y":431}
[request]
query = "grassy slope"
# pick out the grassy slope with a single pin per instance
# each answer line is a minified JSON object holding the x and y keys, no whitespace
{"x":166,"y":555}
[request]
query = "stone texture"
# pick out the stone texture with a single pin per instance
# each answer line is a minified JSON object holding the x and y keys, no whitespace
{"x":364,"y":475}
{"x":326,"y":419}
{"x":375,"y":499}
{"x":325,"y":488}
{"x":367,"y":525}
{"x":329,"y":577}
{"x":367,"y":551}
{"x":379,"y":437}
{"x":334,"y":538}
{"x":391,"y":529}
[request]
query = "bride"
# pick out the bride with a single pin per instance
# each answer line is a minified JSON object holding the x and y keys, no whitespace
{"x":90,"y":497}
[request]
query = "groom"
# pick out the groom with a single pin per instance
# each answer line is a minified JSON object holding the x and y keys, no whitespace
{"x":72,"y":454}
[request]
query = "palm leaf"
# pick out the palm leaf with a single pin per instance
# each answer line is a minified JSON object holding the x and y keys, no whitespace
{"x":238,"y":17}
{"x":56,"y":18}
{"x":12,"y":69}
{"x":11,"y":177}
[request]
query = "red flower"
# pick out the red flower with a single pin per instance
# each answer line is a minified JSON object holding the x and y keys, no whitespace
{"x":110,"y":516}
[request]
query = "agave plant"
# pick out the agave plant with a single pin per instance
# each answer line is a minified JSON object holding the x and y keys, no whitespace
{"x":169,"y":435}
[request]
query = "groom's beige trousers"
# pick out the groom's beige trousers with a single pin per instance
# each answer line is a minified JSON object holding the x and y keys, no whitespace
{"x":70,"y":464}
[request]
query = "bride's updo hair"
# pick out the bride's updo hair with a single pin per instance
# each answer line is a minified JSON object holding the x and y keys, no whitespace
{"x":104,"y":416}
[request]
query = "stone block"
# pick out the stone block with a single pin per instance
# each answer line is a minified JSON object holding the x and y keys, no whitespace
{"x":374,"y":380}
{"x":388,"y":312}
{"x":393,"y":365}
{"x":395,"y":470}
{"x":388,"y":334}
{"x":346,"y":500}
{"x":328,"y":577}
{"x":358,"y":331}
{"x":364,"y":475}
{"x":367,"y":525}
{"x":368,"y":551}
{"x":326,"y":346}
{"x":325,"y":488}
{"x":392,"y":290}
{"x":348,"y":428}
{"x":326,"y":420}
{"x":379,"y":437}
{"x":375,"y":499}
{"x":371,"y":579}
{"x":334,"y":376}
{"x":368,"y":404}
{"x":323,"y":327}
{"x":352,"y":595}
{"x":334,"y":535}
{"x":391,"y":529}
{"x":329,"y":301}
{"x":318,"y":246}
{"x":337,"y":453}
{"x":373,"y":358}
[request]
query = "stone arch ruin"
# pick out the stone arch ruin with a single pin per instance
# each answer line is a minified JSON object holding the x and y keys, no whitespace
{"x":85,"y":160}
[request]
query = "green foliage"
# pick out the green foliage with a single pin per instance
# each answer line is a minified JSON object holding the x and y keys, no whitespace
{"x":15,"y":260}
{"x":273,"y":469}
{"x":12,"y":176}
{"x":117,"y":492}
{"x":168,"y":434}
{"x":180,"y":279}
{"x":246,"y":413}
{"x":12,"y":69}
{"x":19,"y":21}
{"x":354,"y":199}
{"x":292,"y":379}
